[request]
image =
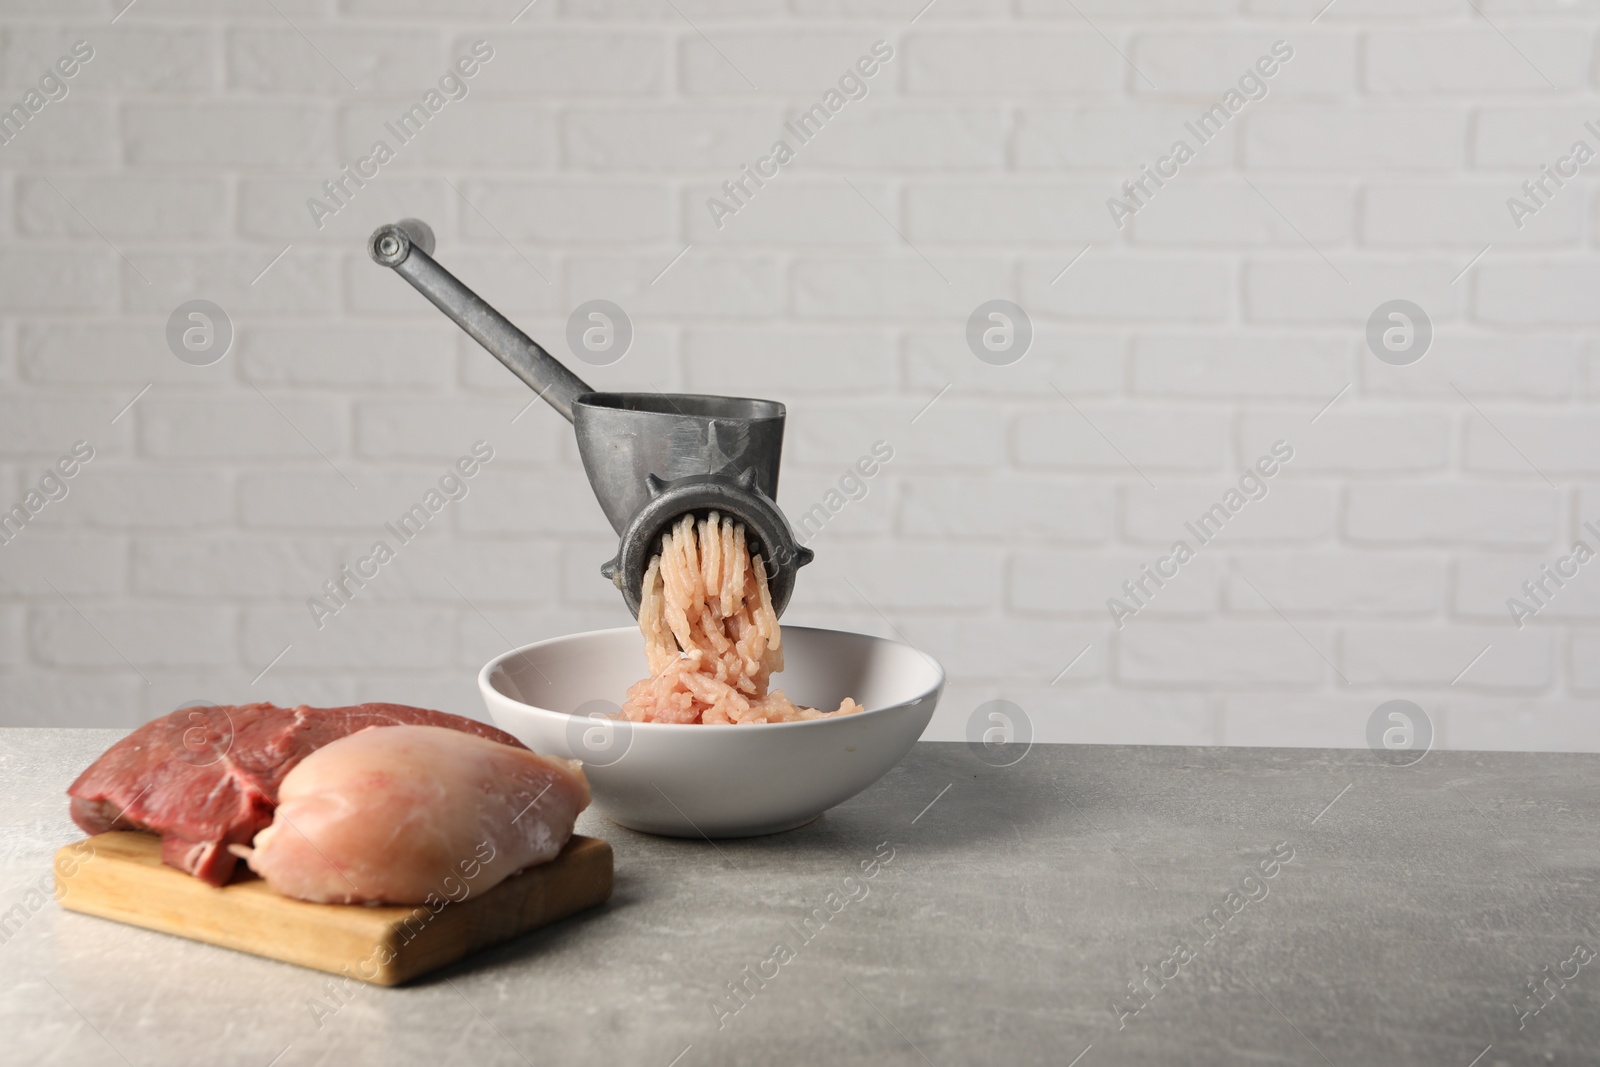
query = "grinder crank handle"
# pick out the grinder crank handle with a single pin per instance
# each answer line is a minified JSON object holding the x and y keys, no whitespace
{"x":407,"y":247}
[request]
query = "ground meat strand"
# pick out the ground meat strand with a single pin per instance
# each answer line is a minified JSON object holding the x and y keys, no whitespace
{"x":711,"y":636}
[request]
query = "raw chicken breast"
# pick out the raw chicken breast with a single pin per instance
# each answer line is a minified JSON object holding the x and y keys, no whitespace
{"x":413,"y":815}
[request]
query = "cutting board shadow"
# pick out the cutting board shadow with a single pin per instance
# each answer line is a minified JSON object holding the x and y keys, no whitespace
{"x":120,"y":876}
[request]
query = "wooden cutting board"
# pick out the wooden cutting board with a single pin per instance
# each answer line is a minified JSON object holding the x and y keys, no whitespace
{"x":119,"y":875}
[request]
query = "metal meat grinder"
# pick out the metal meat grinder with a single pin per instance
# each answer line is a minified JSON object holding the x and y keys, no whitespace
{"x":651,"y":457}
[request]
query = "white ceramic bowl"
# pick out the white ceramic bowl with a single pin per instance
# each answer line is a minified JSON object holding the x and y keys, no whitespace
{"x":717,"y":781}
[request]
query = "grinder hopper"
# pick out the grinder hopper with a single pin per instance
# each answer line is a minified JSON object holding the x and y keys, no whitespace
{"x":650,"y":457}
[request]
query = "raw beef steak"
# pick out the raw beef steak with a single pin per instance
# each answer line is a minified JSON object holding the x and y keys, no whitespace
{"x":204,"y":778}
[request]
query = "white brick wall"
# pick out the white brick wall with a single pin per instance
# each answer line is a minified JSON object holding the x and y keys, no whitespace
{"x":1229,"y":313}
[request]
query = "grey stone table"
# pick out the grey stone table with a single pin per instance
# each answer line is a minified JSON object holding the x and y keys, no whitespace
{"x":1270,"y":906}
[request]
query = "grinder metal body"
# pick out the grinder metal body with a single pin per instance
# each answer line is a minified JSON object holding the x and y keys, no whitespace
{"x":650,"y":457}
